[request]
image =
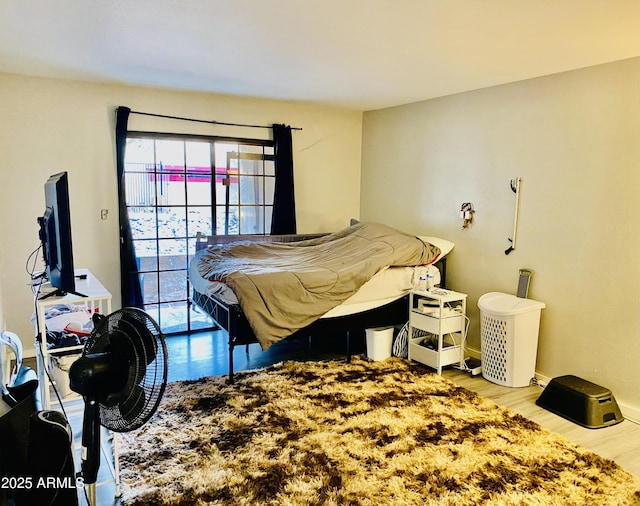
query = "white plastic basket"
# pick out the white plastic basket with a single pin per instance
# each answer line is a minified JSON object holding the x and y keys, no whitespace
{"x":509,"y":327}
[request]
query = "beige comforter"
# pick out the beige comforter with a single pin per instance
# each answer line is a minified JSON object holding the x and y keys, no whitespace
{"x":283,"y":287}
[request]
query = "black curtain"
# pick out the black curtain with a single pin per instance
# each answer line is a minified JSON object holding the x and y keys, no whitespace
{"x":130,"y":288}
{"x":283,"y":220}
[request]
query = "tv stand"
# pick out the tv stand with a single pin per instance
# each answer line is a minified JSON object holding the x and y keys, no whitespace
{"x":61,"y":293}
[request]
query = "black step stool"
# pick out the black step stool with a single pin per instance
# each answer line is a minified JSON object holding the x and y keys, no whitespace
{"x":581,"y":402}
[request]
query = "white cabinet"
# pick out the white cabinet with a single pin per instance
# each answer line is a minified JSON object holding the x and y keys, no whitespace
{"x":437,"y":327}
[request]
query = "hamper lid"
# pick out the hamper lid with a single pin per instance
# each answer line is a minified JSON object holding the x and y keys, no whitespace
{"x":506,"y":304}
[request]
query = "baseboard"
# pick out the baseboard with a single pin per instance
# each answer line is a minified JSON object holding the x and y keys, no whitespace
{"x":542,"y":380}
{"x":631,"y":413}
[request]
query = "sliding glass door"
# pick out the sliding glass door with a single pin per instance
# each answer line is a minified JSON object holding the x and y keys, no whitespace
{"x":177,"y":186}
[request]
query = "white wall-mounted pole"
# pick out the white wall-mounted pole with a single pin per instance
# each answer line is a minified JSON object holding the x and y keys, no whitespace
{"x":515,"y":187}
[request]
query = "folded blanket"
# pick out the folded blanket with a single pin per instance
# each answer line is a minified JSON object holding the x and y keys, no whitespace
{"x":283,"y":287}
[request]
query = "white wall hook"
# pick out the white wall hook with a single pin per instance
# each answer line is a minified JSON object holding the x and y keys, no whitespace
{"x":515,"y":187}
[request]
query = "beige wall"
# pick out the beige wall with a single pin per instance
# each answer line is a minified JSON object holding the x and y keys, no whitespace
{"x":50,"y":125}
{"x":574,"y":138}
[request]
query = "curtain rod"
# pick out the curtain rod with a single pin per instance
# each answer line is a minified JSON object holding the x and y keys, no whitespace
{"x":212,"y":122}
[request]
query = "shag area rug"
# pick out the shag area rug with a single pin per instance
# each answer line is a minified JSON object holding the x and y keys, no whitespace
{"x":364,"y":433}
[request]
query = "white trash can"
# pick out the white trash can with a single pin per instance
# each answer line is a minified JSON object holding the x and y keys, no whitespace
{"x":509,"y":328}
{"x":379,"y":342}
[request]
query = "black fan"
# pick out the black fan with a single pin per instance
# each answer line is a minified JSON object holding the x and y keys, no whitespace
{"x":121,"y":374}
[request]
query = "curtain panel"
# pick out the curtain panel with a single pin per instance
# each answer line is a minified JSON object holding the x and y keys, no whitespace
{"x":283,"y":219}
{"x":130,"y":287}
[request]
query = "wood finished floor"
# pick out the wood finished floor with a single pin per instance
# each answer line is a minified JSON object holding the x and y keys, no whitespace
{"x":206,"y":354}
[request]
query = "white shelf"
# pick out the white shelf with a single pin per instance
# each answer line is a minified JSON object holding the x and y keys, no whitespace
{"x":97,"y":300}
{"x":433,"y":358}
{"x":433,"y":324}
{"x":444,"y":319}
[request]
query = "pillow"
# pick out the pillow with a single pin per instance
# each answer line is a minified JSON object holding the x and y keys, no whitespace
{"x":444,"y":245}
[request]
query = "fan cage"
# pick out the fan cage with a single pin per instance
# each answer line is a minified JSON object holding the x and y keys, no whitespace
{"x":148,"y":367}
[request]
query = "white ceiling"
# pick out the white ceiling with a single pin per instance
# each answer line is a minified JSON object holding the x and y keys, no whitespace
{"x":362,"y":54}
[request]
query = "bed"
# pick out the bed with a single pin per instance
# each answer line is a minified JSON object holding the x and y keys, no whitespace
{"x":268,"y":288}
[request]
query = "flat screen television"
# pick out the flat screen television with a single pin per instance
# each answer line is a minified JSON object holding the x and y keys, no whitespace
{"x":55,"y":235}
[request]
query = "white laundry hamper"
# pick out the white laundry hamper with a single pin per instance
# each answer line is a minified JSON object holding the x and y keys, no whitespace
{"x":509,"y":327}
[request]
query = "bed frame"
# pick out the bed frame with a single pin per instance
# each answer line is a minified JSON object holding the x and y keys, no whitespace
{"x":231,"y":318}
